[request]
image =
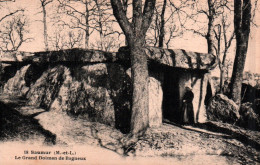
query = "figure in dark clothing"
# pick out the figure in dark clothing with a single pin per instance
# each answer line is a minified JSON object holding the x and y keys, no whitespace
{"x":187,"y":107}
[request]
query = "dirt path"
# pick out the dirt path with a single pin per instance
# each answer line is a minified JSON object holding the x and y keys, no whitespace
{"x":205,"y":144}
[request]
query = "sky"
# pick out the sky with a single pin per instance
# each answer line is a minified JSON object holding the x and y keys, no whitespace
{"x":188,"y":42}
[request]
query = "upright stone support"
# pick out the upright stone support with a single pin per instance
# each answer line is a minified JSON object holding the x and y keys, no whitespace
{"x":199,"y":88}
{"x":155,"y":102}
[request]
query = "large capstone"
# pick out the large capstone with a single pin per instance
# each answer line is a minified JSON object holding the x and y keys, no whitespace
{"x":74,"y":55}
{"x":177,"y":58}
{"x":62,"y":56}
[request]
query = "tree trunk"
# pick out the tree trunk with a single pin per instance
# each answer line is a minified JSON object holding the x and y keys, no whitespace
{"x":221,"y":81}
{"x":135,"y":34}
{"x":45,"y":34}
{"x":242,"y":18}
{"x":238,"y":68}
{"x":87,"y":27}
{"x":140,"y":100}
{"x":223,"y":65}
{"x":125,"y":5}
{"x":162,"y":32}
{"x":86,"y":38}
{"x":100,"y":24}
{"x":209,"y":35}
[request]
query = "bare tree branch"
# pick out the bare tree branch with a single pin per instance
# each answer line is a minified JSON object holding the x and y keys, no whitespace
{"x":121,"y":17}
{"x":10,"y":14}
{"x":12,"y":35}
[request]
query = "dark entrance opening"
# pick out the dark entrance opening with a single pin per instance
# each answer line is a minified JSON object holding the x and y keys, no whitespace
{"x":171,"y":98}
{"x":208,"y":94}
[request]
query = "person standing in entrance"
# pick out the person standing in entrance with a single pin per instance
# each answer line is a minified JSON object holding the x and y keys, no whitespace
{"x":187,"y":107}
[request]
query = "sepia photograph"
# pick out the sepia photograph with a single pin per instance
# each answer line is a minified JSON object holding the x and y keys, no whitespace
{"x":122,"y":82}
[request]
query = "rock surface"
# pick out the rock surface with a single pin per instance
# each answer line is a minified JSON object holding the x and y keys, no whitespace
{"x":46,"y":88}
{"x":17,"y":84}
{"x":199,"y":87}
{"x":256,"y":106}
{"x":69,"y":55}
{"x":96,"y":84}
{"x":171,"y":57}
{"x":221,"y":108}
{"x":75,"y":55}
{"x":248,"y":118}
{"x":174,"y":57}
{"x":99,"y":92}
{"x":7,"y":72}
{"x":155,"y":100}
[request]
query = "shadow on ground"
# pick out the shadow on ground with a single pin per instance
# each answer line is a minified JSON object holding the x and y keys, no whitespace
{"x":225,"y":131}
{"x":238,"y":135}
{"x":15,"y":126}
{"x":217,"y":142}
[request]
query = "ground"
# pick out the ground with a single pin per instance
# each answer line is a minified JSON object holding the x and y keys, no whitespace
{"x":210,"y":143}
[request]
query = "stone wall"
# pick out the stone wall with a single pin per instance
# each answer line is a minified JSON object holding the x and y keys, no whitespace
{"x":155,"y":98}
{"x":99,"y":92}
{"x":97,"y":85}
{"x":199,"y":88}
{"x":17,"y":84}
